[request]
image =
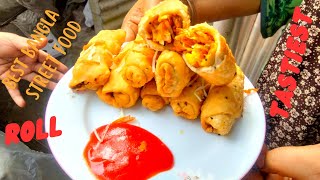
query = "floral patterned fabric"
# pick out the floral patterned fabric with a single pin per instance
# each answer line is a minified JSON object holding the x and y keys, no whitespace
{"x":274,"y":14}
{"x":302,"y":127}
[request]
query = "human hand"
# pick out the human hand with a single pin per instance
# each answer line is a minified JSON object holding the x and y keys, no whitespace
{"x":11,"y":45}
{"x":133,"y":17}
{"x":300,"y":162}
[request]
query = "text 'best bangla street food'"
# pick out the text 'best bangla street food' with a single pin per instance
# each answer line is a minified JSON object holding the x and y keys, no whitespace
{"x":170,"y":62}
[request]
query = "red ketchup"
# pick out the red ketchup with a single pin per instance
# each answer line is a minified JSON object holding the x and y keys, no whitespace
{"x":125,"y":151}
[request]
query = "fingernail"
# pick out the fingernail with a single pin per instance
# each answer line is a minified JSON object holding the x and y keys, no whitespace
{"x":43,"y":39}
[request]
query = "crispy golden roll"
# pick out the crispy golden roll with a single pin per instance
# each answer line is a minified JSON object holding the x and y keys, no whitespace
{"x":112,"y":39}
{"x":151,"y":99}
{"x":162,"y":23}
{"x":189,"y":103}
{"x":137,"y":70}
{"x":223,"y":106}
{"x":172,"y":74}
{"x":126,"y":48}
{"x":117,"y":92}
{"x":206,"y":52}
{"x":92,"y":68}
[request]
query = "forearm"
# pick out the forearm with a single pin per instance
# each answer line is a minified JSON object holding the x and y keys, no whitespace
{"x":215,"y":10}
{"x":301,"y":162}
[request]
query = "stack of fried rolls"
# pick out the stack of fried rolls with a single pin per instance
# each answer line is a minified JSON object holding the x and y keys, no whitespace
{"x":190,"y":68}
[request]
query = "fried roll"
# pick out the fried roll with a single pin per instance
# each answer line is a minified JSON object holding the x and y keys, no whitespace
{"x":126,"y":48}
{"x":223,"y":106}
{"x":172,"y":74}
{"x":122,"y":54}
{"x":137,"y":70}
{"x":117,"y":92}
{"x":162,"y":23}
{"x":151,"y":99}
{"x":189,"y":103}
{"x":206,"y":53}
{"x":92,"y":68}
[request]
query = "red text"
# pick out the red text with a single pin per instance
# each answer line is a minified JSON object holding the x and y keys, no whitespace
{"x":296,"y":47}
{"x":28,"y":130}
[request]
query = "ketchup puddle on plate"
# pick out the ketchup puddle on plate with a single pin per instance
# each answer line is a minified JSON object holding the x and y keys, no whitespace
{"x":121,"y":151}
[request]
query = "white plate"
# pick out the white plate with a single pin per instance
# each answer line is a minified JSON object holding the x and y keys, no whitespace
{"x":196,"y":153}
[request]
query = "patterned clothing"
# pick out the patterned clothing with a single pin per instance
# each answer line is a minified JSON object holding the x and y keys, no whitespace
{"x":302,"y":126}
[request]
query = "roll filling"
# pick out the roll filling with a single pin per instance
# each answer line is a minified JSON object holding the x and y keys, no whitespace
{"x":206,"y":53}
{"x":162,"y":23}
{"x":164,"y":29}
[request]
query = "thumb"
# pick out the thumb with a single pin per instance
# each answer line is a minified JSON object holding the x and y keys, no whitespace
{"x":131,"y":21}
{"x":149,"y":4}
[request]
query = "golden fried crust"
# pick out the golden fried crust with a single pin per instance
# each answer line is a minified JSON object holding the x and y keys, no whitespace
{"x":151,"y":99}
{"x":117,"y":92}
{"x":92,"y":68}
{"x":137,"y":70}
{"x":172,"y":74}
{"x":223,"y":106}
{"x":122,"y":54}
{"x":189,"y":103}
{"x":112,"y":40}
